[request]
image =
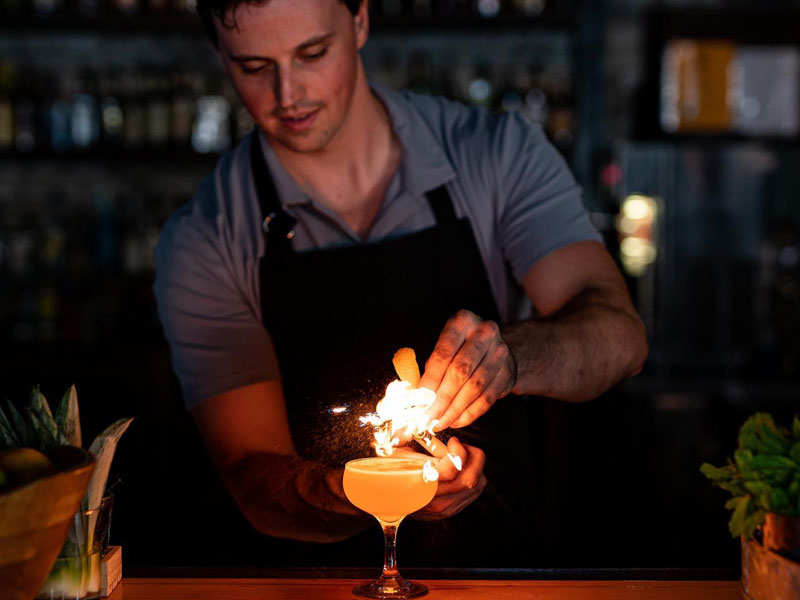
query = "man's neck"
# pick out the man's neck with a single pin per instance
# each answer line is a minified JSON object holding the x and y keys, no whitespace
{"x":351,"y":174}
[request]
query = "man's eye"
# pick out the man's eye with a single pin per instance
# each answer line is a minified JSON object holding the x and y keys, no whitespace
{"x":316,"y":56}
{"x":251,"y":70}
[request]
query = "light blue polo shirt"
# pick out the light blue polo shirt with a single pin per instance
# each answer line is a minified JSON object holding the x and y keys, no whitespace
{"x":501,"y":172}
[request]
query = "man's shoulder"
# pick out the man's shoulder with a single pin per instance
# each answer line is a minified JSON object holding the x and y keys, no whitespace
{"x":468,"y":133}
{"x":442,"y":114}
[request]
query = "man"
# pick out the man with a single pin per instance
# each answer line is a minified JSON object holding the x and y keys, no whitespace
{"x":357,"y":220}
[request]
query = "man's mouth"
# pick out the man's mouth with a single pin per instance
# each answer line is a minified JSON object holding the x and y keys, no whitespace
{"x":299,"y":121}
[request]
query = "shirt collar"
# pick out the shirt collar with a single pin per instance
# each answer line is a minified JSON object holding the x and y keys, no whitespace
{"x":424,"y":165}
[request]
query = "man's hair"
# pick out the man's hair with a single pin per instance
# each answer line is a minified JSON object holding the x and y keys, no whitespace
{"x":225,"y":11}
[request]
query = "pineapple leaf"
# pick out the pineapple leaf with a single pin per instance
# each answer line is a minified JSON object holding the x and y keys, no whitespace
{"x":24,"y":435}
{"x":41,"y":419}
{"x":68,"y":419}
{"x":103,"y":447}
{"x":8,"y":437}
{"x":43,"y":437}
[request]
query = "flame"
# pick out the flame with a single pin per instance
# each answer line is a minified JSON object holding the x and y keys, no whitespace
{"x":403,"y":410}
{"x":429,"y":472}
{"x":455,"y":459}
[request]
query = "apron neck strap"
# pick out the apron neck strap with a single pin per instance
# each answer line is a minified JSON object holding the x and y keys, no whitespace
{"x":278,"y":226}
{"x":441,"y":205}
{"x":276,"y":223}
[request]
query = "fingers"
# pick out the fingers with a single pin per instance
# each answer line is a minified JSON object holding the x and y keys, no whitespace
{"x":468,"y":393}
{"x":447,"y":470}
{"x":469,"y":403}
{"x":464,"y":372}
{"x":447,"y":505}
{"x":473,"y":460}
{"x":454,"y":496}
{"x":453,"y":336}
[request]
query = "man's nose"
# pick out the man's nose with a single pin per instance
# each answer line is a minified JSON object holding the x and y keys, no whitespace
{"x":286,"y":89}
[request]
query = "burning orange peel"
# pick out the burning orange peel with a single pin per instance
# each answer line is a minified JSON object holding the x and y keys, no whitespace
{"x":405,"y":364}
{"x":402,"y":410}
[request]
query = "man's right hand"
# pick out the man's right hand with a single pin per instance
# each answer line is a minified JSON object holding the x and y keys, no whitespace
{"x":457,"y":489}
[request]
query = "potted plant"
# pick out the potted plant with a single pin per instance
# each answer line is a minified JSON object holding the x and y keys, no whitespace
{"x":764,"y":480}
{"x":76,"y":572}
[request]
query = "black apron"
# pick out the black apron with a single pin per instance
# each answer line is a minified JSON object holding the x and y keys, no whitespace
{"x":337,"y":316}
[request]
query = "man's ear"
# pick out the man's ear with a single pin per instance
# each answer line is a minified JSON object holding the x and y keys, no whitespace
{"x":361,"y":19}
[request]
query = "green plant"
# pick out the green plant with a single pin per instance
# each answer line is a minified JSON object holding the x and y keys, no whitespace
{"x":764,"y":475}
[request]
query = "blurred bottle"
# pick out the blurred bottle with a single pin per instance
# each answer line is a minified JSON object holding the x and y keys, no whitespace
{"x":111,"y":115}
{"x":480,"y":89}
{"x":560,"y":124}
{"x":536,"y":106}
{"x":182,"y":109}
{"x":134,"y":122}
{"x":529,"y":8}
{"x":8,"y":77}
{"x":85,"y":114}
{"x":105,"y":249}
{"x":509,"y":95}
{"x":59,"y":127}
{"x":488,"y":9}
{"x":25,"y":119}
{"x":157,"y":109}
{"x":28,"y":134}
{"x":126,"y":8}
{"x":46,"y":8}
{"x":391,"y":71}
{"x":184,"y":6}
{"x":53,"y":237}
{"x":211,"y":130}
{"x":420,"y":73}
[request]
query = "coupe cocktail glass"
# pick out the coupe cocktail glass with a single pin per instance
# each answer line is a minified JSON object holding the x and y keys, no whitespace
{"x":388,"y":489}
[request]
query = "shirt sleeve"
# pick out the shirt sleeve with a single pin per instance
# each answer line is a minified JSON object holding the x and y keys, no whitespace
{"x":540,"y":203}
{"x":216,"y":340}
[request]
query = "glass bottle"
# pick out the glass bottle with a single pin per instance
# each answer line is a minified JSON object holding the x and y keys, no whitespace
{"x":111,"y":115}
{"x":85,"y":117}
{"x":182,"y":109}
{"x":8,"y":78}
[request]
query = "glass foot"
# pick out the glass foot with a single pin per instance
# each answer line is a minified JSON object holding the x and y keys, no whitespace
{"x":390,"y":587}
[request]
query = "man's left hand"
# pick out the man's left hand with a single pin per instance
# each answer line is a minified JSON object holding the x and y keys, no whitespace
{"x":470,"y":368}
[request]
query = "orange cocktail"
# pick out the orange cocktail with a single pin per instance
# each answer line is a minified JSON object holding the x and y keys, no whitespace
{"x":388,"y":488}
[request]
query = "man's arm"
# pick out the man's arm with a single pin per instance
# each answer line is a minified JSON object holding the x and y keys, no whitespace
{"x":585,"y":337}
{"x":246,"y":431}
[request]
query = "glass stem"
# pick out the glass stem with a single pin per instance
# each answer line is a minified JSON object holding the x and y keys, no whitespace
{"x":389,"y":551}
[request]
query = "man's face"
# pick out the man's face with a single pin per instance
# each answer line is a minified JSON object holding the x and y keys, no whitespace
{"x":294,"y":65}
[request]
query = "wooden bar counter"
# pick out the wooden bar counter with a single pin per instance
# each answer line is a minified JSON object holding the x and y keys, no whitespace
{"x":169,"y":588}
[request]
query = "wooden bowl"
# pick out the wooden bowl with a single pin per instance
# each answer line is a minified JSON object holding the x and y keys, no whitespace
{"x":34,"y":521}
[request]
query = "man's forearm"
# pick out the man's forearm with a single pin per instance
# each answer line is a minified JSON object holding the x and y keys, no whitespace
{"x":581,"y":351}
{"x":288,"y":497}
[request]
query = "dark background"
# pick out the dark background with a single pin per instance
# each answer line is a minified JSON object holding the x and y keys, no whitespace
{"x":111,"y":112}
